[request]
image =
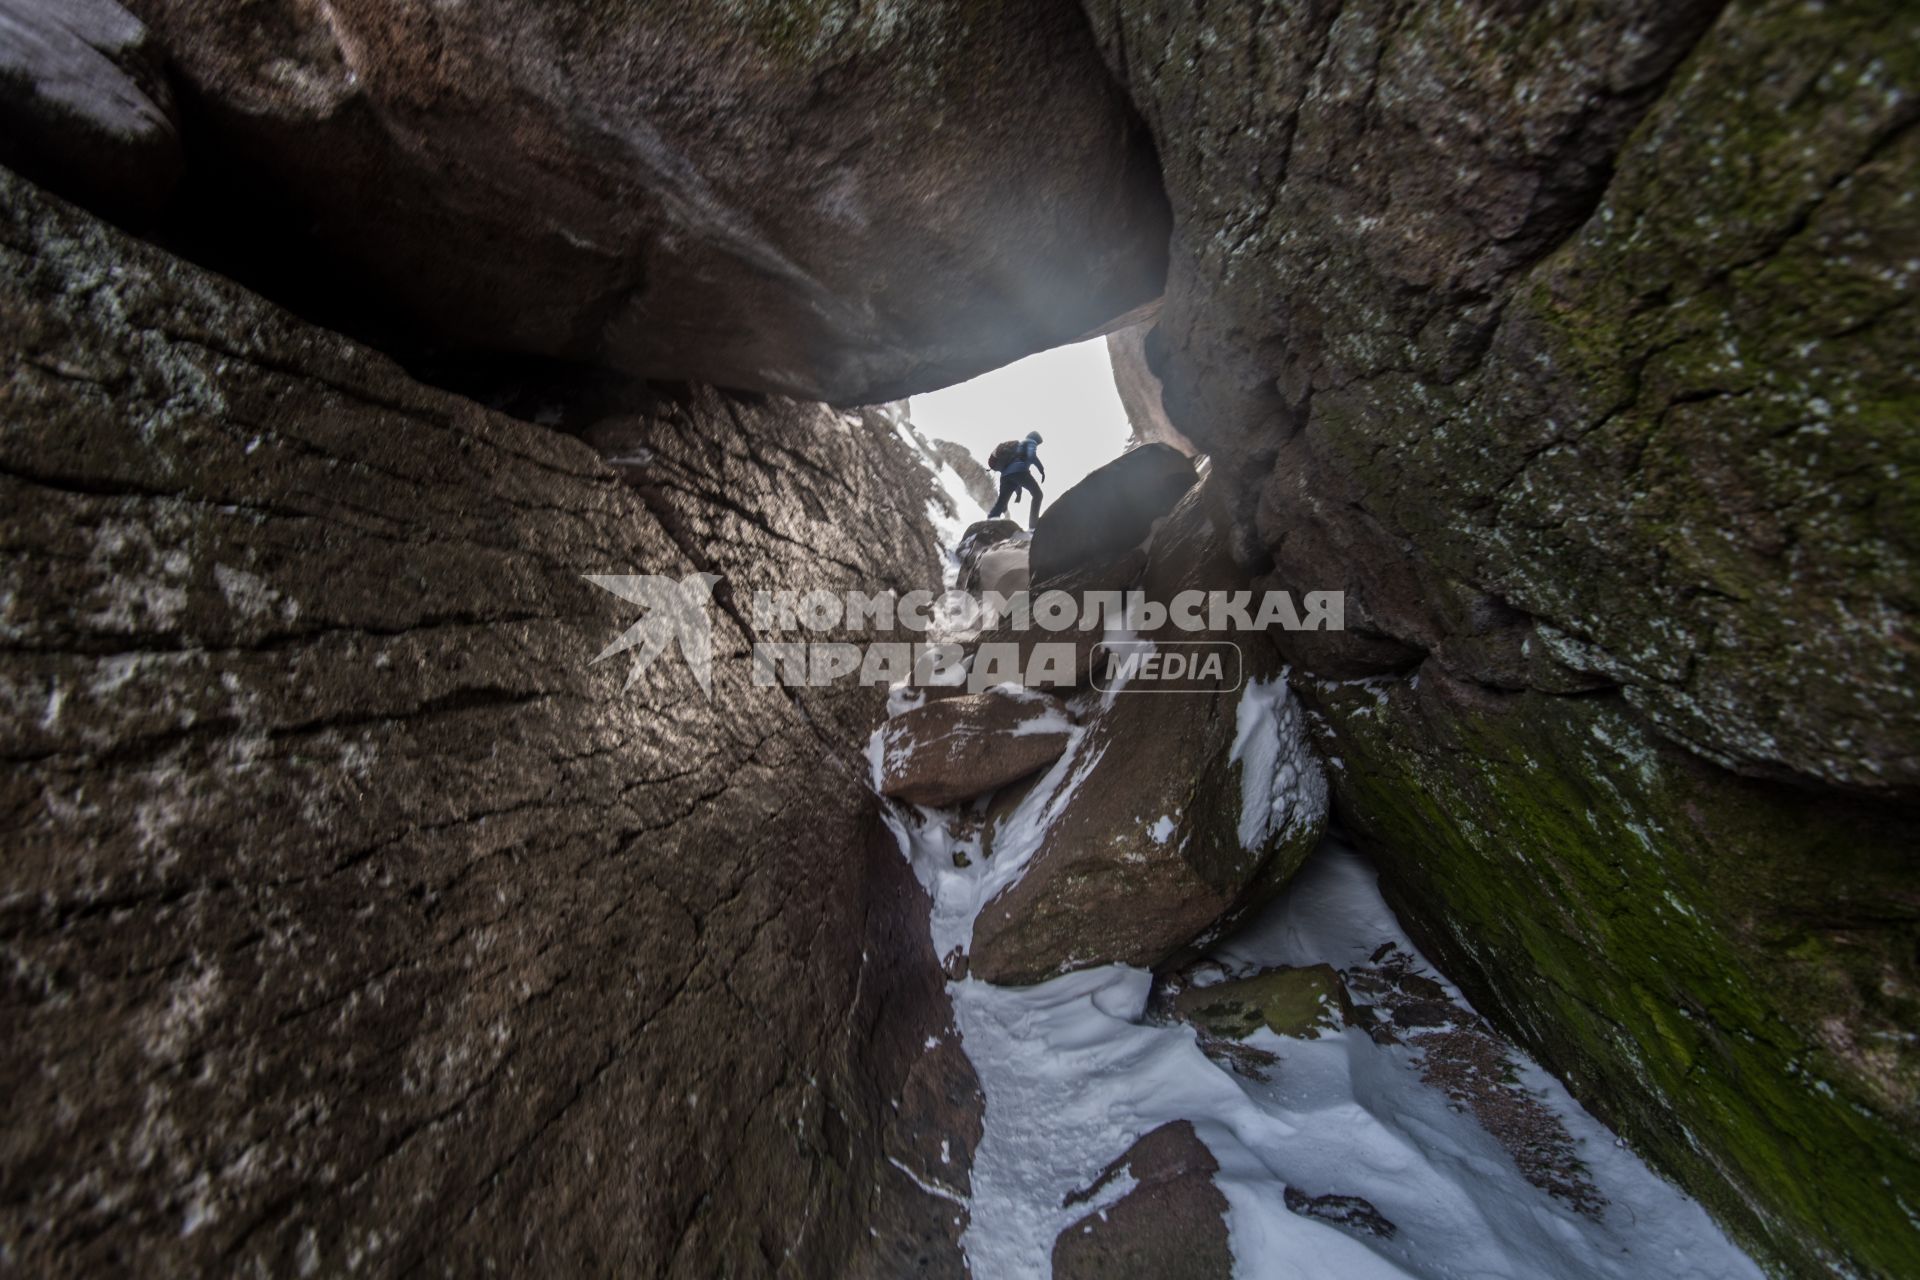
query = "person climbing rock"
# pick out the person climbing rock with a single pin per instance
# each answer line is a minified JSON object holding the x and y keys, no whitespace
{"x":1016,"y":460}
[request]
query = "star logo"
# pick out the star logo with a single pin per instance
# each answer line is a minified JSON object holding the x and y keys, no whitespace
{"x":675,"y":613}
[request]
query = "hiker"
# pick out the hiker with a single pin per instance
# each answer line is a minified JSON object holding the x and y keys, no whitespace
{"x":1016,"y":460}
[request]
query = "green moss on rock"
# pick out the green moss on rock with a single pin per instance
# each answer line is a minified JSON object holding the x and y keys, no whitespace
{"x":1723,"y":969}
{"x":1299,"y":1002}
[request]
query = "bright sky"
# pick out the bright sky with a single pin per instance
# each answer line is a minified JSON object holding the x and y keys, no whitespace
{"x":1066,"y":394}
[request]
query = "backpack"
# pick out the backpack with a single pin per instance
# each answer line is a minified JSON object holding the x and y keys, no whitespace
{"x":1004,"y":455}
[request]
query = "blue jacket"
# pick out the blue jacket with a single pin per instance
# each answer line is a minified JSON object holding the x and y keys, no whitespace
{"x":1029,"y":456}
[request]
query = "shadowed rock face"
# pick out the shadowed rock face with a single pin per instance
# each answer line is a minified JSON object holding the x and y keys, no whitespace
{"x":841,"y":205}
{"x":1574,"y":342}
{"x":349,"y":913}
{"x":86,"y":106}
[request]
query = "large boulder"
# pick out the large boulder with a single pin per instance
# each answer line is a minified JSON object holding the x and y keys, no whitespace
{"x":839,"y":203}
{"x":1575,"y":344}
{"x":1175,"y":815}
{"x":1170,"y":1224}
{"x":353,"y":916}
{"x":85,"y":106}
{"x":957,"y":748}
{"x":1109,"y":512}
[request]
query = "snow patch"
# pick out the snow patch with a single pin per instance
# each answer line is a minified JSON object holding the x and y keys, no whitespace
{"x":1281,"y":784}
{"x":1073,"y":1075}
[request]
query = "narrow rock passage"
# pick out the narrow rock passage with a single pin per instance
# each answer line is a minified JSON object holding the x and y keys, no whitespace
{"x":1077,"y":1068}
{"x":1292,"y":1091}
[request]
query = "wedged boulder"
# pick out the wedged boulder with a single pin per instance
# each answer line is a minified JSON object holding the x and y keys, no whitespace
{"x":842,"y":204}
{"x":354,"y":917}
{"x":1302,"y":1002}
{"x":85,"y":106}
{"x":1110,"y":511}
{"x":1171,"y":1224}
{"x":1179,"y":812}
{"x":956,"y":748}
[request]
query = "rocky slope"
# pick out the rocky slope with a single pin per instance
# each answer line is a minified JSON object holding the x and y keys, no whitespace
{"x":1576,"y":345}
{"x":352,"y":918}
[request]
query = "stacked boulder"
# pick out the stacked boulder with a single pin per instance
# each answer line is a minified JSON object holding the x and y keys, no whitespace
{"x":1124,"y":825}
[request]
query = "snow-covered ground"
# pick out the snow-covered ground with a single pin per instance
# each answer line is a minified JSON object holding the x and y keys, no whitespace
{"x":1075,"y":1069}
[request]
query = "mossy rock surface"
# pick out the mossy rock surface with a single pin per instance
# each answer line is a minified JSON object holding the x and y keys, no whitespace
{"x":1722,"y":969}
{"x":1303,"y":1002}
{"x":1603,"y":313}
{"x":1576,"y":344}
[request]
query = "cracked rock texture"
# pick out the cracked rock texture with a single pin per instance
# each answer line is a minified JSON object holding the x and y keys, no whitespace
{"x":353,"y":920}
{"x":845,"y":203}
{"x":1577,"y":344}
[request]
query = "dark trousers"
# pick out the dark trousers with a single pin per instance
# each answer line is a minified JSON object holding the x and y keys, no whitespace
{"x":1012,"y":482}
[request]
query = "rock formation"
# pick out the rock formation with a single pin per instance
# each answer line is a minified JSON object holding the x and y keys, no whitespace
{"x":353,"y":915}
{"x":995,"y":549}
{"x":1161,"y":830}
{"x":1574,"y":345}
{"x":847,"y":205}
{"x":1174,"y":811}
{"x":1139,"y":389}
{"x":357,"y":917}
{"x":1109,"y":512}
{"x":958,"y":748}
